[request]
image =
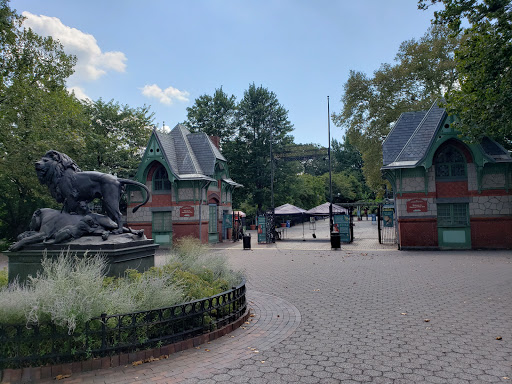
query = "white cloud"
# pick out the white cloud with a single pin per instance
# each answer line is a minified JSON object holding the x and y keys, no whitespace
{"x":165,"y":96}
{"x":79,"y":93}
{"x":91,"y":62}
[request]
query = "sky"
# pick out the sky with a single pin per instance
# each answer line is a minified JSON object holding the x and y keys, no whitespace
{"x":167,"y":53}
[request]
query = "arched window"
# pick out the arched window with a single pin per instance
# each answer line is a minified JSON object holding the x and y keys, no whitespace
{"x":450,"y":164}
{"x":161,"y":180}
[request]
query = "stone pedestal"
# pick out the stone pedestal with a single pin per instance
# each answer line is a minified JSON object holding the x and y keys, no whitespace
{"x":126,"y":251}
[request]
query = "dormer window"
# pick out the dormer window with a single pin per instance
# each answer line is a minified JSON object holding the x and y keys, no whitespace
{"x":450,"y":164}
{"x":161,"y":180}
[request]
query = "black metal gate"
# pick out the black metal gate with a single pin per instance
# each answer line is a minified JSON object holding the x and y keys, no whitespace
{"x":386,"y":221}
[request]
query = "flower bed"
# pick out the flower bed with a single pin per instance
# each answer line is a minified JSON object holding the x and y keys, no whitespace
{"x":109,"y":335}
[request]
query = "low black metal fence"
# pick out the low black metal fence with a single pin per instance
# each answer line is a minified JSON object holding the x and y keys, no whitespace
{"x":41,"y":344}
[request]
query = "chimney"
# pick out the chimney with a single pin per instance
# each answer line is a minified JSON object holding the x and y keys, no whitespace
{"x":216,"y":141}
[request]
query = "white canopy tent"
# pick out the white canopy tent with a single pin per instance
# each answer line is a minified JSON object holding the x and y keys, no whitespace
{"x":323,"y":210}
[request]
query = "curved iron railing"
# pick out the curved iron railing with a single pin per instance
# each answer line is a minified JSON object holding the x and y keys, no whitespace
{"x":22,"y":346}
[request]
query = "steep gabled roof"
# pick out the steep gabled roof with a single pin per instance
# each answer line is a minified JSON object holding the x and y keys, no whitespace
{"x":400,"y":134}
{"x":494,"y":150}
{"x":413,"y":135}
{"x":418,"y":143}
{"x":190,"y":156}
{"x":205,"y":152}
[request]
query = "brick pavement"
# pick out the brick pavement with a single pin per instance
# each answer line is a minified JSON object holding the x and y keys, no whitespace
{"x":354,"y":316}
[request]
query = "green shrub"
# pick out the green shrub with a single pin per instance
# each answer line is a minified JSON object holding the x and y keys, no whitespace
{"x":192,"y":256}
{"x":3,"y":278}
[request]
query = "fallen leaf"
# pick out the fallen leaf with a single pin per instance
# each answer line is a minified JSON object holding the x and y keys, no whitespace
{"x":426,"y":320}
{"x":207,"y":350}
{"x":404,"y":313}
{"x":498,"y":338}
{"x":506,"y":378}
{"x":61,"y":377}
{"x":262,"y":361}
{"x":138,"y":362}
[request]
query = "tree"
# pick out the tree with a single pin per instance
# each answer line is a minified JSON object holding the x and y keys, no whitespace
{"x":36,"y":114}
{"x":214,"y":116}
{"x":425,"y":69}
{"x":116,"y":137}
{"x":311,"y":157}
{"x":259,"y":119}
{"x":484,"y":63}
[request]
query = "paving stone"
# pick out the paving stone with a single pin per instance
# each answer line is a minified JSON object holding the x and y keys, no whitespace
{"x":341,"y":319}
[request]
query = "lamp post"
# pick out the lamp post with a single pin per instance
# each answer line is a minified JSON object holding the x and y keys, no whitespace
{"x":330,"y":171}
{"x":272,"y":224}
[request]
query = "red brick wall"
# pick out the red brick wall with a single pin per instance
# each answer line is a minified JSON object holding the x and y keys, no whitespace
{"x":418,"y":232}
{"x":491,"y":232}
{"x":452,"y":189}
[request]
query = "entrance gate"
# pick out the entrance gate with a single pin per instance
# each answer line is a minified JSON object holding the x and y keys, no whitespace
{"x":386,"y":222}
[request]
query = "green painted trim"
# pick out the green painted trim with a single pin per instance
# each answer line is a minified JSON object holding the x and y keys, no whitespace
{"x":425,"y":175}
{"x":443,"y":230}
{"x":149,"y":157}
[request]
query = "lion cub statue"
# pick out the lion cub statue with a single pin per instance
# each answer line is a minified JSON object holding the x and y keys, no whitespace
{"x":74,"y":188}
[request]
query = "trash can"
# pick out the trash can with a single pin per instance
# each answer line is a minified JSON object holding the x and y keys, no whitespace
{"x":247,"y":241}
{"x":335,"y":240}
{"x":287,"y":223}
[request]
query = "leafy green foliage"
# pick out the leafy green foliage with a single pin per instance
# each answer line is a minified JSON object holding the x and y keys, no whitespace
{"x":213,"y":115}
{"x":36,"y":114}
{"x":424,"y":70}
{"x":259,"y":119}
{"x":117,"y":136}
{"x":3,"y":278}
{"x":484,"y":62}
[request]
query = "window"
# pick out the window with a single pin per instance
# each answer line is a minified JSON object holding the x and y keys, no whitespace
{"x":162,"y":221}
{"x":450,"y":164}
{"x":212,"y":224}
{"x":452,"y":215}
{"x":161,"y":180}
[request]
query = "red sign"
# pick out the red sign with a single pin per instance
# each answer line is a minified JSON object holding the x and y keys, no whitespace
{"x":417,"y":205}
{"x":187,"y":211}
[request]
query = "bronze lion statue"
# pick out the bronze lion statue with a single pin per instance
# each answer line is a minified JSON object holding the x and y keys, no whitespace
{"x":74,"y":188}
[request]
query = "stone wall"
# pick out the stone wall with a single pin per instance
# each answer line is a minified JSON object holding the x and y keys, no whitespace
{"x":490,"y":206}
{"x":413,"y":184}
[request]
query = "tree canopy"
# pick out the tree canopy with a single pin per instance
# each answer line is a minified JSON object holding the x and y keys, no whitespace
{"x":117,"y":136}
{"x":484,"y":64}
{"x":213,"y":115}
{"x":37,"y":114}
{"x":424,"y":70}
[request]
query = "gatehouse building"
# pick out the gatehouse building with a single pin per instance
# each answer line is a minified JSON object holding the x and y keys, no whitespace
{"x":448,"y":194}
{"x":191,"y":189}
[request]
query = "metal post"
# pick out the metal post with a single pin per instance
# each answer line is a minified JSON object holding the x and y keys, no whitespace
{"x":272,"y":224}
{"x":330,"y":171}
{"x":206,"y":183}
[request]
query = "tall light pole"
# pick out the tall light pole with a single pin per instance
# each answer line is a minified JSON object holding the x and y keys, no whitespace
{"x":272,"y":225}
{"x":330,"y":171}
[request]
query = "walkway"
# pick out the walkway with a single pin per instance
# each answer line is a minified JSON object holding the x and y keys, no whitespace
{"x":353,"y":316}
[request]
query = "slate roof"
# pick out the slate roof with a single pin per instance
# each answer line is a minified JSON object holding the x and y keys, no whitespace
{"x":494,"y":150}
{"x":191,"y":156}
{"x":413,"y":134}
{"x":399,"y":135}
